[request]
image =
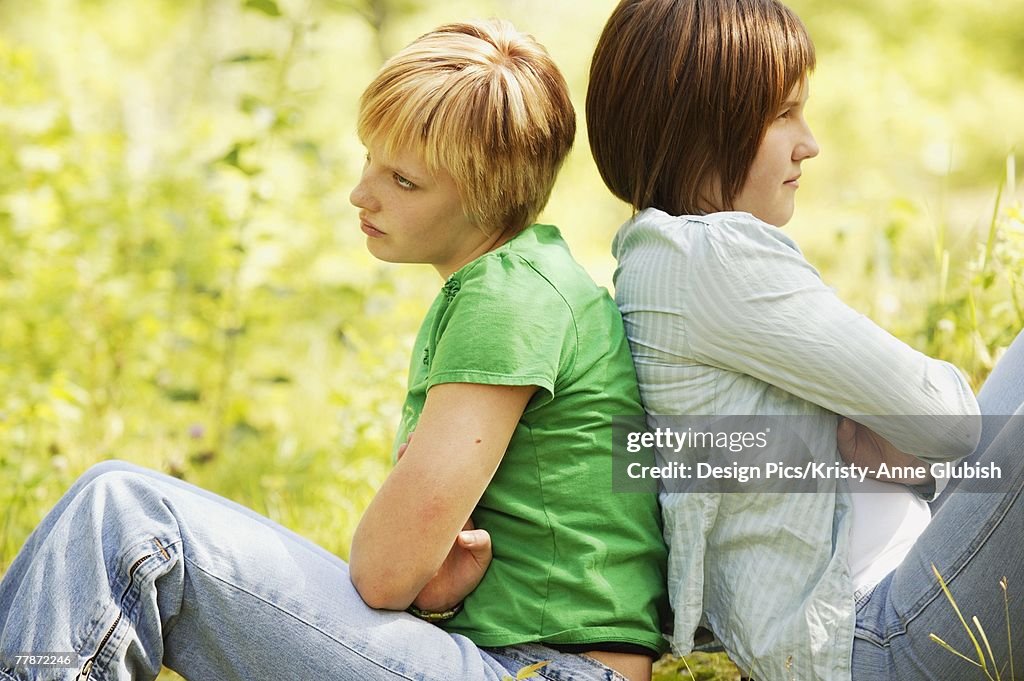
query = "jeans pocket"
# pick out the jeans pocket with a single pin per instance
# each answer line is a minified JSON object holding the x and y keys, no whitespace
{"x":124,"y":604}
{"x":871,"y":623}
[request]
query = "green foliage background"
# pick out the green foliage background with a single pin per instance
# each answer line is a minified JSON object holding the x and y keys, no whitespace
{"x":183,"y":283}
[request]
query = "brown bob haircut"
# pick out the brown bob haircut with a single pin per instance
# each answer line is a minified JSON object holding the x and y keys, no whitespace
{"x":486,"y":103}
{"x":682,"y":92}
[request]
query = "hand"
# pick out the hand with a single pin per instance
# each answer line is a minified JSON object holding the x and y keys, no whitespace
{"x":861,"y":446}
{"x":460,"y":572}
{"x":402,"y":447}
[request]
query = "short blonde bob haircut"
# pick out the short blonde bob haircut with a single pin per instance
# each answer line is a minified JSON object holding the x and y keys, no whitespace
{"x":485,"y":103}
{"x":681,"y":95}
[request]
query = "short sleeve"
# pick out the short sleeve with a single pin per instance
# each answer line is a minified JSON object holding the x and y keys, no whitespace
{"x":503,"y":324}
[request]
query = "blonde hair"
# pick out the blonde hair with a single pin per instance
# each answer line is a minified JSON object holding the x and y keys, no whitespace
{"x":487,"y":104}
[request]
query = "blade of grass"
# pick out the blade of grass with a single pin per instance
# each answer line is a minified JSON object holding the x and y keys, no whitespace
{"x":1016,"y":300}
{"x":1009,"y":639}
{"x":956,"y":609}
{"x":528,"y":672}
{"x":688,"y":670}
{"x":992,"y":228}
{"x":988,"y":647}
{"x":953,"y":650}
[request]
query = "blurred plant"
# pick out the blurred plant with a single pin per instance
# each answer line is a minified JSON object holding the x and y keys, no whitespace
{"x":176,"y":291}
{"x":154,"y":281}
{"x":696,"y":667}
{"x":978,"y":308}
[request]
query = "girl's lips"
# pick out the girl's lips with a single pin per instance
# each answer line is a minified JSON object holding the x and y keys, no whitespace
{"x":369,"y":229}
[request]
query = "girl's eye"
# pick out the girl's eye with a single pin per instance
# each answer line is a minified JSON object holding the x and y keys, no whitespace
{"x":402,"y":182}
{"x":785,"y":113}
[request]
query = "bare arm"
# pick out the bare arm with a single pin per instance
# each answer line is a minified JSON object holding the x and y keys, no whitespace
{"x":410,"y":526}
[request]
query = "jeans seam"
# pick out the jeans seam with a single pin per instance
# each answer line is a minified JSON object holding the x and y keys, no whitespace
{"x":862,"y":631}
{"x":871,"y":636}
{"x":128,"y":607}
{"x":295,"y":617}
{"x":165,"y":550}
{"x":865,"y":596}
{"x":965,"y":559}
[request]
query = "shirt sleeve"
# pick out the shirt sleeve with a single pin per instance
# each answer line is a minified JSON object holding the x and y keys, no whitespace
{"x":759,"y":308}
{"x":505,"y":325}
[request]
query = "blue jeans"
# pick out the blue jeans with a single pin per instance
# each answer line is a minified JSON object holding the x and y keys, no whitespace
{"x":133,"y":569}
{"x":975,"y":539}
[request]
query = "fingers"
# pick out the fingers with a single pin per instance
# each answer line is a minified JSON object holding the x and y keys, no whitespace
{"x":478,"y":543}
{"x":402,"y":447}
{"x":846,"y":438}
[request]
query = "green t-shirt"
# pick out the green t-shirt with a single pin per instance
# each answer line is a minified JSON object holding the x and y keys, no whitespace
{"x":574,"y":563}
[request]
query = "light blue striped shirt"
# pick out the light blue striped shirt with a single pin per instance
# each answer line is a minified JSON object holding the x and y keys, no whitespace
{"x":725,"y":316}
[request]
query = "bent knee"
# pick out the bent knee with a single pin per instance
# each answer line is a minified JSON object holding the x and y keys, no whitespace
{"x":116,"y":477}
{"x":102,"y":468}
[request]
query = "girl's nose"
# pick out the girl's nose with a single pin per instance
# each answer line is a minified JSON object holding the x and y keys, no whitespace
{"x":808,"y":146}
{"x":361,"y":196}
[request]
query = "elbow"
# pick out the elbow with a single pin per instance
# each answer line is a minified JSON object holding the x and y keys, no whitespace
{"x":968,"y":424}
{"x":379,"y":587}
{"x":958,"y":421}
{"x":955,"y":436}
{"x":969,"y":432}
{"x":376,"y":592}
{"x":959,"y":432}
{"x":374,"y":595}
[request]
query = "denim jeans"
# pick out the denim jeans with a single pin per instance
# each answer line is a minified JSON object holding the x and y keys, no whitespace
{"x":975,"y":539}
{"x":133,"y":569}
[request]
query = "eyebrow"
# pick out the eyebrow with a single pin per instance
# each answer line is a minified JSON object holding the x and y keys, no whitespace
{"x":415,"y":179}
{"x":412,"y":177}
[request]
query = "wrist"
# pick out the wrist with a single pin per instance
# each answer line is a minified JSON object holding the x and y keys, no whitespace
{"x":439,"y":595}
{"x":435,"y":615}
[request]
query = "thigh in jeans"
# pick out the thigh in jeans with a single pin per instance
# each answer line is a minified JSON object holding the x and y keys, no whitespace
{"x":974,"y":541}
{"x":224,"y":593}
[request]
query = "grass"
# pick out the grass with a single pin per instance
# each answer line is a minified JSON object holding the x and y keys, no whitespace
{"x":984,"y":659}
{"x":528,"y":672}
{"x":696,"y":667}
{"x":193,"y":322}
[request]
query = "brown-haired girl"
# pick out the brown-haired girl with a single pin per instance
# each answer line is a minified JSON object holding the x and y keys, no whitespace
{"x":696,"y":118}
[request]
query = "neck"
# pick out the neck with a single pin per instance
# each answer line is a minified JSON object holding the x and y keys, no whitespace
{"x":495,"y":240}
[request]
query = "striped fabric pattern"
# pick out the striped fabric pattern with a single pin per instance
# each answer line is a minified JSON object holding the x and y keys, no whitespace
{"x":725,"y":316}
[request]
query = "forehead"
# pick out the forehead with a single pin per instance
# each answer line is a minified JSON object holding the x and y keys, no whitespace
{"x":397,"y":154}
{"x":410,"y":163}
{"x":800,"y":91}
{"x":427,"y":159}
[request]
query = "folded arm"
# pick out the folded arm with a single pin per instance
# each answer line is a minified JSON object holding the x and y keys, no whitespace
{"x":765,"y":312}
{"x":409,"y":528}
